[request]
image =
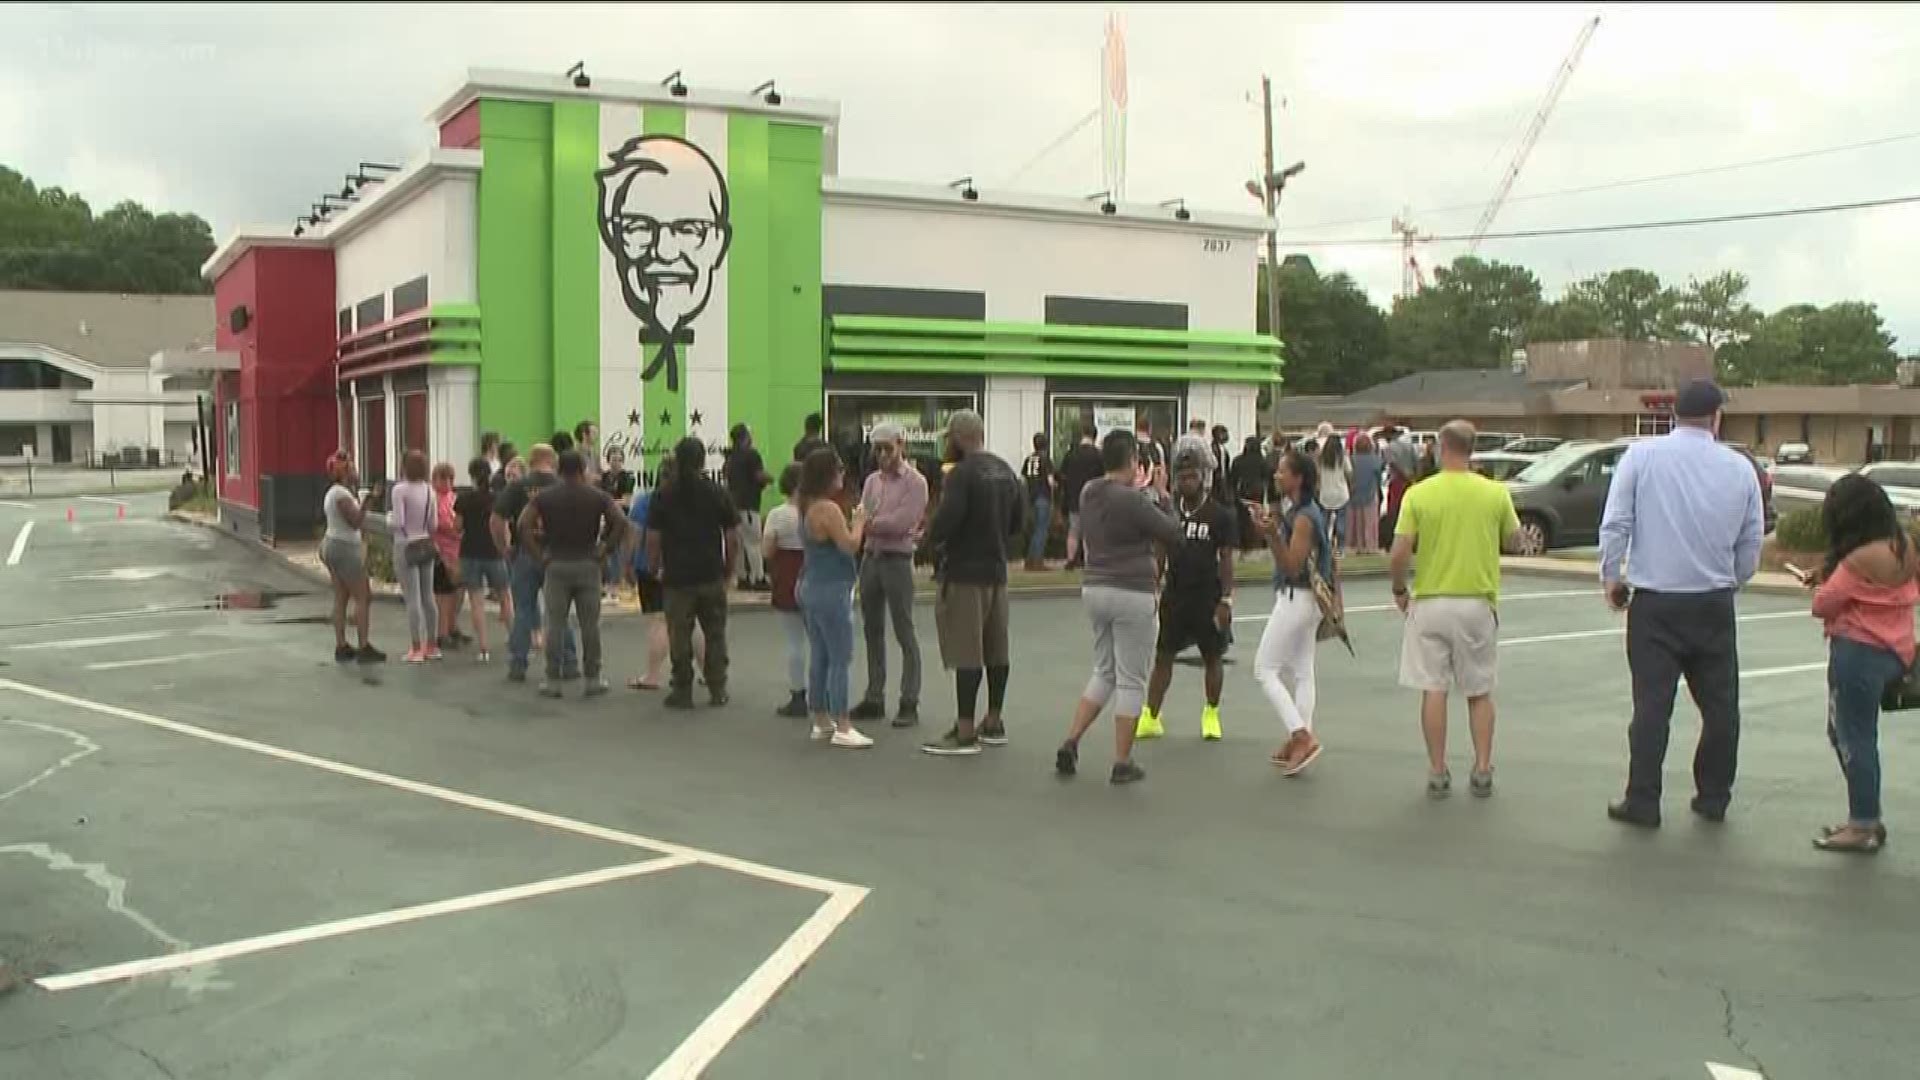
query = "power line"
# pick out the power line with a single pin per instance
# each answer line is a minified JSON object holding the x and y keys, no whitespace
{"x":1632,"y":226}
{"x":1611,"y":185}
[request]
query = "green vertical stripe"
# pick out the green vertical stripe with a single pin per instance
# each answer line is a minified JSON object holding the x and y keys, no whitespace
{"x":663,"y":412}
{"x":748,"y":327}
{"x":513,"y":267}
{"x":792,"y":297}
{"x":576,"y":264}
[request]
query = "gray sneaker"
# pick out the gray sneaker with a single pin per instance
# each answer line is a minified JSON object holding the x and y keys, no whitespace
{"x":595,"y":687}
{"x":1439,"y":785}
{"x":549,"y":688}
{"x":1481,"y":784}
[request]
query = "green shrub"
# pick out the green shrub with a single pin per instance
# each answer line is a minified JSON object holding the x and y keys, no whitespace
{"x":1801,"y":530}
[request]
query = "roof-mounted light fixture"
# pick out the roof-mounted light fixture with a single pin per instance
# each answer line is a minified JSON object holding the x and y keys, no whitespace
{"x":674,"y":85}
{"x":1106,"y":201}
{"x":964,"y":186}
{"x":579,"y":73}
{"x":767,"y":92}
{"x":1180,"y":212}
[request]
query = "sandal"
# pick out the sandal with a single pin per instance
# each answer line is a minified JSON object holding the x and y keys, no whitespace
{"x":1879,"y":832}
{"x":1848,"y":839}
{"x":642,"y":684}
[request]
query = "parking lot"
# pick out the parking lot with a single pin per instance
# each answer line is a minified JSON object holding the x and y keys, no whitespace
{"x":222,"y":855}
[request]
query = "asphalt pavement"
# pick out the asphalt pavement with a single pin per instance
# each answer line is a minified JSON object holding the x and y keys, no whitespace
{"x":425,"y":872}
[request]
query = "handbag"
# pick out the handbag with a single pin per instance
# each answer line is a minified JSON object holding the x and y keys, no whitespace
{"x":420,"y":552}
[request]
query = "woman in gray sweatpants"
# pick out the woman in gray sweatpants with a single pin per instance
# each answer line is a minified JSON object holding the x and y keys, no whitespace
{"x":1120,"y":521}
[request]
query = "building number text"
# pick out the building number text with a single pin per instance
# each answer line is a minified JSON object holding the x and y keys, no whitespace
{"x":1215,"y":246}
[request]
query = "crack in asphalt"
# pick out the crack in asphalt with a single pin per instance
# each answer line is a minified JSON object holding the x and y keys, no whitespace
{"x":142,"y":1051}
{"x":1733,"y":1038}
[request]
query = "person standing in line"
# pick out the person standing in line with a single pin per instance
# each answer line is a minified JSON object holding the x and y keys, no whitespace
{"x":1336,"y":478}
{"x":619,"y":483}
{"x":1152,"y":452}
{"x":1278,"y":443}
{"x":1363,"y":505}
{"x":746,"y":478}
{"x":1865,"y":594}
{"x":1680,"y":535}
{"x":411,"y":517}
{"x":1251,"y":480}
{"x":1121,"y":522}
{"x":1196,"y":602}
{"x":1222,"y":463}
{"x":784,"y":546}
{"x":490,"y":452}
{"x":343,"y":553}
{"x":1283,"y":665}
{"x":653,"y":605}
{"x":895,"y":501}
{"x":510,"y":460}
{"x":569,"y":527}
{"x":1081,"y":464}
{"x":1037,"y":472}
{"x":812,"y":439}
{"x":825,"y":594}
{"x":982,"y":507}
{"x":1460,"y":521}
{"x":693,"y":535}
{"x":481,"y":566}
{"x":527,"y":576}
{"x":446,"y":569}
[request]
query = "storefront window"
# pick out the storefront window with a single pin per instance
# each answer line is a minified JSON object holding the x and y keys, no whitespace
{"x":1653,"y":423}
{"x":413,"y":421}
{"x":851,"y":416}
{"x":1072,"y":414}
{"x":371,"y":454}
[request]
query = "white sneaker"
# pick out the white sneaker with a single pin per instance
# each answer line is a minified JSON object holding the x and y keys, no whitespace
{"x":851,"y":739}
{"x":821,"y":734}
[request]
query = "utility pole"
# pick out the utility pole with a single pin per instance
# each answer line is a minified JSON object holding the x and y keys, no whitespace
{"x":1272,"y":206}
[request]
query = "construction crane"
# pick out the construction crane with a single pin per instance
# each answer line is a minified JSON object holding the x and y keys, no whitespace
{"x":1534,"y":128}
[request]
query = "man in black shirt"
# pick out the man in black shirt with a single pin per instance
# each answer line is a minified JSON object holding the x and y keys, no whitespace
{"x":982,"y":507}
{"x":570,"y":526}
{"x":811,"y":441}
{"x":1153,"y":453}
{"x":526,"y":575}
{"x":1037,"y":472}
{"x":1222,"y":462}
{"x":1196,"y":599}
{"x":746,"y":477}
{"x":693,"y":536}
{"x":1082,"y":464}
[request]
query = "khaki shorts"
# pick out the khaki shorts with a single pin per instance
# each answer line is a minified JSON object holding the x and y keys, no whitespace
{"x":972,"y":624}
{"x":1451,"y":643}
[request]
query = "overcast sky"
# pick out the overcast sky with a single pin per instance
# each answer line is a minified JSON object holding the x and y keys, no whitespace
{"x":247,"y":112}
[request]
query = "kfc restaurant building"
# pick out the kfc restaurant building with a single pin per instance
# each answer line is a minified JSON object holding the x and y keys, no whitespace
{"x":672,"y":263}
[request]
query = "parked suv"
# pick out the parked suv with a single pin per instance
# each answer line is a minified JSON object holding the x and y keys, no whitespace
{"x":1561,"y":497}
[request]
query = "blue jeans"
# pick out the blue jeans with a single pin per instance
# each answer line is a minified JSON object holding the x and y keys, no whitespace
{"x":794,"y":624}
{"x":1042,"y":525}
{"x":829,"y":615}
{"x":528,"y":579}
{"x":1857,"y":675}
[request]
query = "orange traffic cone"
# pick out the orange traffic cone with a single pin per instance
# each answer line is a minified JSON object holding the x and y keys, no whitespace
{"x":69,"y":514}
{"x":122,"y":513}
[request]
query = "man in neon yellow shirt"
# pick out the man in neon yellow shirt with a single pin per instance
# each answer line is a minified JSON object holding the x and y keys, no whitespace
{"x":1459,"y":521}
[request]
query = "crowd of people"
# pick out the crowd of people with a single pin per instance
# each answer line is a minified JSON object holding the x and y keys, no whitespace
{"x":1156,"y":531}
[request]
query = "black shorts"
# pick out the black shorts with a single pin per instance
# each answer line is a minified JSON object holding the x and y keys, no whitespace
{"x":443,"y":582}
{"x":1184,"y":626}
{"x":653,"y":599}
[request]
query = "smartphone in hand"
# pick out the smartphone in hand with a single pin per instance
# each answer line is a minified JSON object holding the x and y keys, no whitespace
{"x":1805,"y":577}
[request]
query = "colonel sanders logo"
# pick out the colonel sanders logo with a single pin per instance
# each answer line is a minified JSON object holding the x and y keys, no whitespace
{"x":663,"y":216}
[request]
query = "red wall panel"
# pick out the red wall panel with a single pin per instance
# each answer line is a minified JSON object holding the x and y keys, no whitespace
{"x":461,"y":131}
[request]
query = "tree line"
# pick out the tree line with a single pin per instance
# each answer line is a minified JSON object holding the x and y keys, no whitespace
{"x":1476,"y":312}
{"x":51,"y":239}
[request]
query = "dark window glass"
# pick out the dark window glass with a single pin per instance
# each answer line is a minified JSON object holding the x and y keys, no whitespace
{"x":346,"y":322}
{"x":371,"y":311}
{"x":1139,"y":314}
{"x":409,"y":297}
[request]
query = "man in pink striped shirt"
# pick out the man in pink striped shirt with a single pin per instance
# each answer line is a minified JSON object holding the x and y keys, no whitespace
{"x":895,"y":497}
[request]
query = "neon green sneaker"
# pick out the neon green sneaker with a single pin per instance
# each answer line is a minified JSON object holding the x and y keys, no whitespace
{"x":1149,"y":726}
{"x":1210,"y":723}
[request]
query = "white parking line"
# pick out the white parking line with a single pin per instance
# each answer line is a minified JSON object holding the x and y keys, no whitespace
{"x":150,"y":661}
{"x":16,"y":505}
{"x":1573,"y":635}
{"x":1363,"y":609}
{"x":19,"y":544}
{"x":95,"y":642}
{"x":103,"y":499}
{"x":154,"y":965}
{"x":1790,"y":669}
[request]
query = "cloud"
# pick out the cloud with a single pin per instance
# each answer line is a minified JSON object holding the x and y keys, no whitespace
{"x":248,"y":113}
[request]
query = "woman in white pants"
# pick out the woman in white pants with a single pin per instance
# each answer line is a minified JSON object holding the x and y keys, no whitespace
{"x":412,"y":515}
{"x":1121,"y":518}
{"x":1284,"y":664}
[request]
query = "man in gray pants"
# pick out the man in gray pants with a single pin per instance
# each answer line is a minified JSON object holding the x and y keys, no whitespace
{"x":570,"y":526}
{"x":895,"y":498}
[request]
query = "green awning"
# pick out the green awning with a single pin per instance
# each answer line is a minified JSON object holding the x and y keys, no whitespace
{"x":885,"y":345}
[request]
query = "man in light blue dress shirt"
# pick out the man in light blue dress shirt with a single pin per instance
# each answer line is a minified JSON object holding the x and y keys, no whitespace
{"x":1680,"y":535}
